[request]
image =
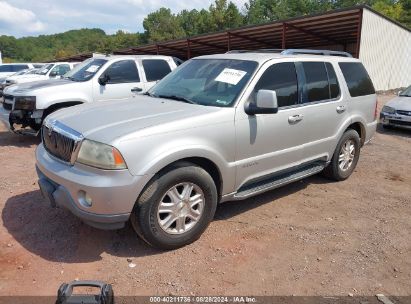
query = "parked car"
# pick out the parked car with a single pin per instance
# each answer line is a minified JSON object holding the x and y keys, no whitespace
{"x":8,"y":69}
{"x":219,"y":128}
{"x":97,"y":79}
{"x":22,"y":72}
{"x":397,"y":111}
{"x":48,"y":71}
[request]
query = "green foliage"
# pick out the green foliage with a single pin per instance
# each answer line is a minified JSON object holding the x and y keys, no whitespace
{"x":50,"y":47}
{"x":164,"y":25}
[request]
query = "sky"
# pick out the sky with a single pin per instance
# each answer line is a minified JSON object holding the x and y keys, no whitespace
{"x":32,"y":18}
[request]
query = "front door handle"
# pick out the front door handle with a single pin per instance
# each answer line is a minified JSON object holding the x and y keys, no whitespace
{"x":136,"y":90}
{"x":341,"y":109}
{"x":295,"y":118}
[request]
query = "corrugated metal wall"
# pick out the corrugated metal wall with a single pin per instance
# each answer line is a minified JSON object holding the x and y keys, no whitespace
{"x":385,"y":51}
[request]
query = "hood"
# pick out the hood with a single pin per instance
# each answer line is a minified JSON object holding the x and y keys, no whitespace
{"x":36,"y":85}
{"x":400,"y":103}
{"x":107,"y":121}
{"x":29,"y":77}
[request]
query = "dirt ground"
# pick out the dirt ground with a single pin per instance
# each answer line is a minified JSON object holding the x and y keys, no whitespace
{"x":312,"y":237}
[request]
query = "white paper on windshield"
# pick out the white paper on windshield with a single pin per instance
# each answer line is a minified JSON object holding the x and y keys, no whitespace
{"x":230,"y":76}
{"x":92,"y":68}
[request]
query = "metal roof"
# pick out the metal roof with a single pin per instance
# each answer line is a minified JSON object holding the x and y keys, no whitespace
{"x":336,"y":30}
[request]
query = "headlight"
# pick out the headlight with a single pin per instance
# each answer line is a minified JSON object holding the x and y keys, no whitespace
{"x":25,"y":103}
{"x":100,"y":155}
{"x":387,"y":109}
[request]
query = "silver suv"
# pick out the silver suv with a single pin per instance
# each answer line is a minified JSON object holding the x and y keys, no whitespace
{"x":218,"y":128}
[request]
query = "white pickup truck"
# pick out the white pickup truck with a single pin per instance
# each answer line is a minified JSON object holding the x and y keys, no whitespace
{"x":97,"y":79}
{"x":48,"y":71}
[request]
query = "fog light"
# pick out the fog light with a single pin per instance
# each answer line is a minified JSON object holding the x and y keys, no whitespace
{"x":84,"y":199}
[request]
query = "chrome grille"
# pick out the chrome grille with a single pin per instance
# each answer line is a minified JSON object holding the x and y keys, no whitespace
{"x":60,"y":141}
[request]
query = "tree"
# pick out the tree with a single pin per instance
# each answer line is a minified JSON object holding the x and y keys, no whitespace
{"x":162,"y":25}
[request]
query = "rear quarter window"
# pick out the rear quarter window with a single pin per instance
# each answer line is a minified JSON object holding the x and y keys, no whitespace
{"x":155,"y":69}
{"x":357,"y":79}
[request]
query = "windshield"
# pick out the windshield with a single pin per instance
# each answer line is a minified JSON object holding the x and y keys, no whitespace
{"x":210,"y":82}
{"x":22,"y":72}
{"x":406,"y":92}
{"x":85,"y":70}
{"x":44,"y":70}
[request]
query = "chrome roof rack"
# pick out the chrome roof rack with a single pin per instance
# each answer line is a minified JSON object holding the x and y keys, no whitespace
{"x":295,"y":52}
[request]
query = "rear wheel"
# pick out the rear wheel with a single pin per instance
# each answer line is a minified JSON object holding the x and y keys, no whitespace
{"x":345,"y":157}
{"x":176,"y":207}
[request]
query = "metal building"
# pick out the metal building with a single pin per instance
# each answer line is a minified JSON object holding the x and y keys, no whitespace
{"x":383,"y":45}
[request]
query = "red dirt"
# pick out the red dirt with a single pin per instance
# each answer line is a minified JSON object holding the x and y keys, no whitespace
{"x":313,"y":237}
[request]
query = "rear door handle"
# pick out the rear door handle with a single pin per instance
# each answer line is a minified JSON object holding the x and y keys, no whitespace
{"x":295,"y":118}
{"x":341,"y":109}
{"x":136,"y":90}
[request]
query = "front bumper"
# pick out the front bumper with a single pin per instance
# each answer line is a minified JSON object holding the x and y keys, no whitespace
{"x":397,"y":120}
{"x":113,"y":192}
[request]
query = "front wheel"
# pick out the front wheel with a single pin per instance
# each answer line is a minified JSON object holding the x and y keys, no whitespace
{"x":176,"y":207}
{"x":345,"y":157}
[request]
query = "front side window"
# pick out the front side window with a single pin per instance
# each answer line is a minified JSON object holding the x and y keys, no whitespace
{"x":85,"y":70}
{"x":124,"y":71}
{"x":209,"y":82}
{"x":281,"y":78}
{"x":358,"y":81}
{"x":316,"y":80}
{"x":155,"y":69}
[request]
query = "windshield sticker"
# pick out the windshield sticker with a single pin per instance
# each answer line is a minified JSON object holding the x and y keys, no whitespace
{"x":230,"y":76}
{"x":92,"y":68}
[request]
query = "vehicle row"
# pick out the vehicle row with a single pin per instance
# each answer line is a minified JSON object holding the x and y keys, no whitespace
{"x":163,"y":154}
{"x":100,"y":78}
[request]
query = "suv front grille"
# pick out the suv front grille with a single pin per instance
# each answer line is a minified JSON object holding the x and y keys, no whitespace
{"x":60,"y":141}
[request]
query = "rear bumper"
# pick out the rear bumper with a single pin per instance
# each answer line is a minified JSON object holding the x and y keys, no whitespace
{"x":370,"y":132}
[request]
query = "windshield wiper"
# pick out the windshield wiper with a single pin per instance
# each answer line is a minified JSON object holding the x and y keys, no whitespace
{"x":404,"y":95}
{"x":178,"y":98}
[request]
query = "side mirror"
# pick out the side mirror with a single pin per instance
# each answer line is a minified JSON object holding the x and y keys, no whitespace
{"x":399,"y":93}
{"x":265,"y":103}
{"x":103,"y":79}
{"x":53,"y":73}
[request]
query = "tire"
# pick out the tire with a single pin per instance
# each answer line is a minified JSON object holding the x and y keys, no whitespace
{"x":165,"y":189}
{"x":334,"y":170}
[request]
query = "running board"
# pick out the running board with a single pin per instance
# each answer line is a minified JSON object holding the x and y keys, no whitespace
{"x":279,"y":180}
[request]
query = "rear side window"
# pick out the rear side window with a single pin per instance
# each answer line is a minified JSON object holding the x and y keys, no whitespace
{"x":316,"y":81}
{"x":124,"y":71}
{"x":155,"y":69}
{"x":282,"y":78}
{"x":358,"y":81}
{"x":333,"y":82}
